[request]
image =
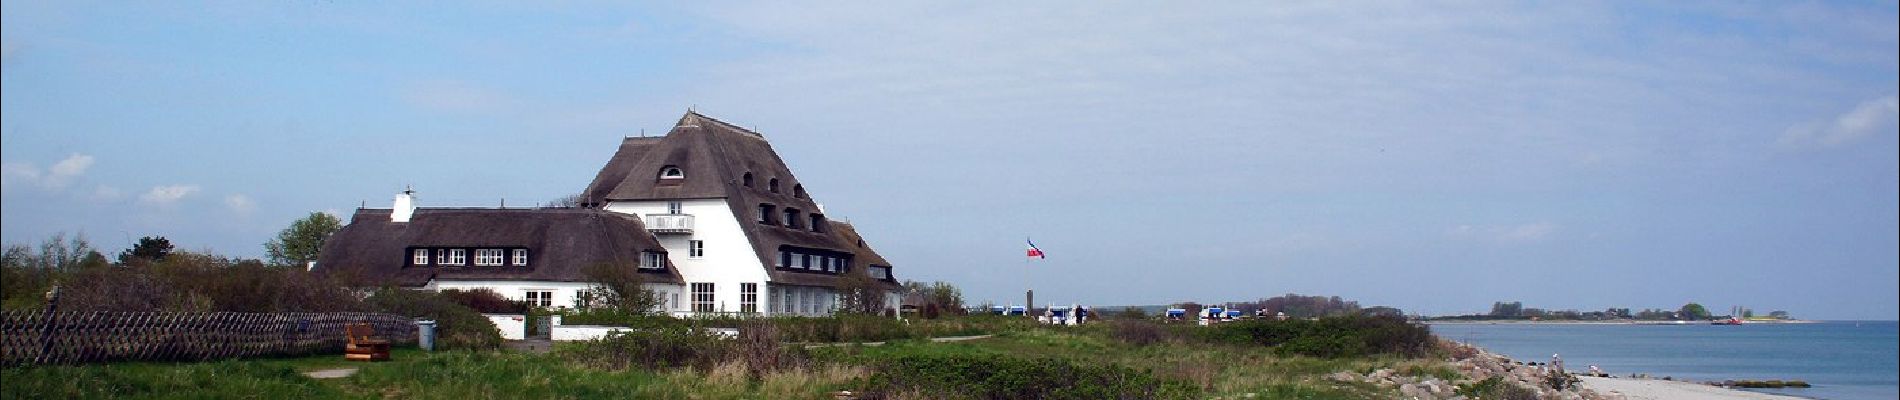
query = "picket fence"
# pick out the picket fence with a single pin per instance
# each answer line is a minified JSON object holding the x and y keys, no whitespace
{"x":72,"y":337}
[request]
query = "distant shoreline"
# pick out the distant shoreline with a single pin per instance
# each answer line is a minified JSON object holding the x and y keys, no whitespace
{"x":1619,"y":322}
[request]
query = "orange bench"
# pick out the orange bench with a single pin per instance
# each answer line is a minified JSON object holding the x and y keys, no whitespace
{"x":364,"y":345}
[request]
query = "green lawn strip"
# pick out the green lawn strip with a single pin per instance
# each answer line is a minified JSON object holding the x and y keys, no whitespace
{"x":219,"y":379}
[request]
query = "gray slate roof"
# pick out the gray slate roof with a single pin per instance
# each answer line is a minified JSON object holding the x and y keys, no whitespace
{"x":561,"y":244}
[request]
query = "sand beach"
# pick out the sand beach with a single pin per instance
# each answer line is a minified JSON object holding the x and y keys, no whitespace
{"x":1656,"y":389}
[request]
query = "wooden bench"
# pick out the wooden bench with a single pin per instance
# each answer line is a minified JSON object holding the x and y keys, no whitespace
{"x":364,"y":345}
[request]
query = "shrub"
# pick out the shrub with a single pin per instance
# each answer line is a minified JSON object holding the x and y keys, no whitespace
{"x":652,"y":348}
{"x":1018,"y":378}
{"x":1137,"y":332}
{"x":485,"y":301}
{"x":1496,"y":388}
{"x":457,"y":326}
{"x":1344,"y":336}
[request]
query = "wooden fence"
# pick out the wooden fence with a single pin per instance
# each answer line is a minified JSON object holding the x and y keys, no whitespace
{"x":29,"y":337}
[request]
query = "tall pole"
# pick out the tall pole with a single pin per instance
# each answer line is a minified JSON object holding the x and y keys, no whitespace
{"x":1029,"y":303}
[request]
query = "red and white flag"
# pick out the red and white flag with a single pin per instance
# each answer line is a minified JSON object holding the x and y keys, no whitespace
{"x":1033,"y":251}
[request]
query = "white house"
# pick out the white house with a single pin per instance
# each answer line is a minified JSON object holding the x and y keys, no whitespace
{"x":708,"y":213}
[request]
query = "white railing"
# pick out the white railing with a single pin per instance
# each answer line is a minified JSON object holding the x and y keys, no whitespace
{"x":670,"y":223}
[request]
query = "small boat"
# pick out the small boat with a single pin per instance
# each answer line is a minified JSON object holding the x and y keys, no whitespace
{"x":1730,"y":321}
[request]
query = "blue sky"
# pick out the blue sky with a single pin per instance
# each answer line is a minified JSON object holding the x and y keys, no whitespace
{"x":1435,"y":157}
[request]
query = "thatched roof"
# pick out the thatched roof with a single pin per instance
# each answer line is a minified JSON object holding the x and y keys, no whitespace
{"x":716,"y":156}
{"x":561,"y":243}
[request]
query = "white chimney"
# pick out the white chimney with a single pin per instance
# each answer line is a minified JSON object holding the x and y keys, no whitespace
{"x":405,"y":206}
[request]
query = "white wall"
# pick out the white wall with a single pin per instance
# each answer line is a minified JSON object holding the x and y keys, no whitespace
{"x":564,"y":292}
{"x":729,"y":258}
{"x":512,"y":326}
{"x":582,"y":332}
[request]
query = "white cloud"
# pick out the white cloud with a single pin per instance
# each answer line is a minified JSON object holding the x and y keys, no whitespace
{"x":166,"y":195}
{"x":14,"y":173}
{"x":1869,"y":117}
{"x":55,"y":177}
{"x":240,"y":204}
{"x":1521,"y":233}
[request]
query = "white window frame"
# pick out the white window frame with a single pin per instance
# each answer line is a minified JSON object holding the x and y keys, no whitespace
{"x":458,"y":257}
{"x":652,"y":260}
{"x":749,"y":297}
{"x":488,"y":257}
{"x":441,"y":256}
{"x":675,"y":208}
{"x":695,"y":249}
{"x":672,"y":173}
{"x":703,"y":295}
{"x":540,"y":297}
{"x":521,"y":257}
{"x":420,"y":256}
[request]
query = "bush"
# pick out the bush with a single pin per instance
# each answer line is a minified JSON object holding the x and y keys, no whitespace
{"x":991,"y":377}
{"x":1332,"y":337}
{"x":652,"y":348}
{"x":457,"y":326}
{"x":485,"y":301}
{"x":1137,"y":332}
{"x":1496,"y":388}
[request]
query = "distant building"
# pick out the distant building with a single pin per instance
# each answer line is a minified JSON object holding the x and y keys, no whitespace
{"x":708,"y":213}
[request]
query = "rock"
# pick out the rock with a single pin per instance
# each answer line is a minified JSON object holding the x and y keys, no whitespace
{"x":1342,"y":376}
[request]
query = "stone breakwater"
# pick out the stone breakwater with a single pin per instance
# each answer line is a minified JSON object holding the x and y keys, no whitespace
{"x":1525,"y":380}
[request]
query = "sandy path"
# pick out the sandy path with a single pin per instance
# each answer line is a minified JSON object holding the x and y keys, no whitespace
{"x":1652,"y":389}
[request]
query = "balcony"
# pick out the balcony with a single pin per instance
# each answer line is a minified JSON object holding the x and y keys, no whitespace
{"x":670,"y":223}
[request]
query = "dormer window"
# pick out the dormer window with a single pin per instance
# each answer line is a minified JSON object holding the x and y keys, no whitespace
{"x":765,"y":214}
{"x":791,"y":218}
{"x":798,"y":191}
{"x":747,"y":180}
{"x":672,"y":172}
{"x":652,"y":260}
{"x":420,"y":257}
{"x":818,"y":222}
{"x":772,"y":185}
{"x":521,"y":257}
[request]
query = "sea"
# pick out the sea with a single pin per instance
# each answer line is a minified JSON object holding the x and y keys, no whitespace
{"x":1844,"y":360}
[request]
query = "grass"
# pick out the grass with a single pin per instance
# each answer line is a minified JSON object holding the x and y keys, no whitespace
{"x":1200,"y":369}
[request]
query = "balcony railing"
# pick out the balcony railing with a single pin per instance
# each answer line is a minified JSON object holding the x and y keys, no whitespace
{"x":670,"y":223}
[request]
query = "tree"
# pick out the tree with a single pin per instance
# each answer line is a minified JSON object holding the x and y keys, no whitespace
{"x":939,"y":295}
{"x":148,"y":250}
{"x":1511,"y":309}
{"x":1693,"y":311}
{"x":858,"y":293}
{"x":568,"y":201}
{"x":303,"y":240}
{"x":620,"y":287}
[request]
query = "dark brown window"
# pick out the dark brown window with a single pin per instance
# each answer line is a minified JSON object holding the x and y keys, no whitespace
{"x":772,"y":185}
{"x":791,"y":218}
{"x":747,"y":180}
{"x":798,"y":191}
{"x":765,"y":214}
{"x":818,"y":223}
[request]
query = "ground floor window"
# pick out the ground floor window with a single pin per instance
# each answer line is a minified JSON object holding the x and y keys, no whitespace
{"x":702,"y":297}
{"x":540,"y":298}
{"x":748,"y":297}
{"x":583,"y":299}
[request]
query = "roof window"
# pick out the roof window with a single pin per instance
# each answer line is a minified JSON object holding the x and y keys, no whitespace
{"x":772,"y":185}
{"x":747,"y":180}
{"x":798,"y":191}
{"x":672,"y":172}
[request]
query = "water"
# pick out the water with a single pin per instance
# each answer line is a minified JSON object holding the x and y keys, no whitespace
{"x":1844,"y":360}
